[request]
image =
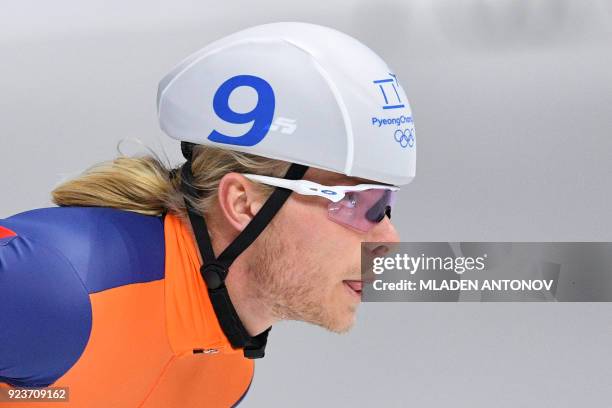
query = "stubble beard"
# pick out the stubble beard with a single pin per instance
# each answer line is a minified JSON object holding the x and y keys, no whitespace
{"x":287,"y":292}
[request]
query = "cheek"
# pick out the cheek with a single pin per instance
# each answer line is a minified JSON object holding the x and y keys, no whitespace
{"x":320,"y":243}
{"x":305,"y":222}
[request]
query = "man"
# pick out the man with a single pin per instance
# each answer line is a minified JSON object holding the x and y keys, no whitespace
{"x":156,"y":289}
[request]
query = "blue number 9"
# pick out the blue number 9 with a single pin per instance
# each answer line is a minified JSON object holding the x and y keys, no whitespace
{"x":261,"y":115}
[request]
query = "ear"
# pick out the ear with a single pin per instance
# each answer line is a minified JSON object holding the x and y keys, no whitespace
{"x":239,"y":200}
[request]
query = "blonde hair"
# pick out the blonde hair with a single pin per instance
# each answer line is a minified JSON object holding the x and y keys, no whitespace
{"x":143,"y":184}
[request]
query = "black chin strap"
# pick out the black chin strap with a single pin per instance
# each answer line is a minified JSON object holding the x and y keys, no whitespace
{"x":214,"y":270}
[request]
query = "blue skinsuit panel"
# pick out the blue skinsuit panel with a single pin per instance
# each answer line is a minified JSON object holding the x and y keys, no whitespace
{"x":58,"y":257}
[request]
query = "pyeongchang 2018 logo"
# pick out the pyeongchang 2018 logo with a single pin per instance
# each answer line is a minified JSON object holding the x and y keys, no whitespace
{"x":391,"y":99}
{"x":388,"y":89}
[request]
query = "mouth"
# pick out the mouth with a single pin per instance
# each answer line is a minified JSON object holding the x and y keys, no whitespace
{"x":354,"y":287}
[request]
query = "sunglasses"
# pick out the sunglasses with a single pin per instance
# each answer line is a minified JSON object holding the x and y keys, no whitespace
{"x":360,"y":207}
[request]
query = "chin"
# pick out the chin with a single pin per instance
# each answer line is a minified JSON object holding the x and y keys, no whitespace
{"x":342,"y":322}
{"x":344,"y":327}
{"x":335,"y":311}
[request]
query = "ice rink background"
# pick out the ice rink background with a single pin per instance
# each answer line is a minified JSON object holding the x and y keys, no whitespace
{"x":512,"y":101}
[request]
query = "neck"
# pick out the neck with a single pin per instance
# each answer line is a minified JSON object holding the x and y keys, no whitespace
{"x":253,"y":312}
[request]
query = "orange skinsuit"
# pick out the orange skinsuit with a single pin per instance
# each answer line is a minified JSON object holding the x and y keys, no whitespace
{"x":120,"y":311}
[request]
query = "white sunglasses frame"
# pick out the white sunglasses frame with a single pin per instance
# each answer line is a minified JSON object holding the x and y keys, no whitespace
{"x":307,"y":187}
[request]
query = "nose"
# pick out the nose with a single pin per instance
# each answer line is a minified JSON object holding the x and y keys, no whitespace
{"x":384,"y":231}
{"x":380,"y":241}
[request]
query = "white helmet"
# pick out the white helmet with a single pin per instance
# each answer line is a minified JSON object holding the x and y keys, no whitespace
{"x":296,"y":92}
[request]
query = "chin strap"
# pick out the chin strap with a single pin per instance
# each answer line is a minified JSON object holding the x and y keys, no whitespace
{"x":214,"y":270}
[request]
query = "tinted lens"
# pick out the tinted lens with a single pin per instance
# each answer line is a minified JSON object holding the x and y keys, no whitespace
{"x":377,"y":212}
{"x":362,"y":210}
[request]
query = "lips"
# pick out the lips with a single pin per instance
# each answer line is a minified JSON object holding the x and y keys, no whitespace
{"x":355,"y":285}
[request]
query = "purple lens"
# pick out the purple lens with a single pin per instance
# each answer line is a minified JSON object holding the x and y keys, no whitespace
{"x":362,"y":210}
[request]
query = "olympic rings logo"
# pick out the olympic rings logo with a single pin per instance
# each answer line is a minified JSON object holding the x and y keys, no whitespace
{"x":404,"y":137}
